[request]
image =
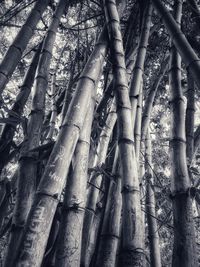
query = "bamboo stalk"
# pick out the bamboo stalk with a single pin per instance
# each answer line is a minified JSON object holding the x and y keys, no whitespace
{"x":16,"y":49}
{"x":184,"y":249}
{"x":132,"y":247}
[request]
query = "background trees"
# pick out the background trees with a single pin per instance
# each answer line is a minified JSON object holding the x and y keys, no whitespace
{"x":99,"y":156}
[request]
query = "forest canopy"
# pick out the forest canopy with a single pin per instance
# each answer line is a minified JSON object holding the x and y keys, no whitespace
{"x":99,"y":133}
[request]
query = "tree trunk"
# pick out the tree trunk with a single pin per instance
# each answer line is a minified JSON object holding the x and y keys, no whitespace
{"x":184,"y":250}
{"x":132,"y":218}
{"x":15,"y":51}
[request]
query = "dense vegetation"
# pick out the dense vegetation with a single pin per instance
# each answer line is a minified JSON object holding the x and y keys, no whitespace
{"x":100,"y":133}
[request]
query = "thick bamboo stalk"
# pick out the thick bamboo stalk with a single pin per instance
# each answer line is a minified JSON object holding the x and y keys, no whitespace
{"x":130,"y":56}
{"x":27,"y":180}
{"x":153,"y":235}
{"x":21,"y":99}
{"x":15,"y":51}
{"x":52,"y":182}
{"x":135,"y":85}
{"x":96,"y":181}
{"x":69,"y":246}
{"x":132,"y":247}
{"x":109,"y":238}
{"x":184,"y":249}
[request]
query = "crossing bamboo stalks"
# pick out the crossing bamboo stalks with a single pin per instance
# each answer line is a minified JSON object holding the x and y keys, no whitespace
{"x":184,"y":249}
{"x":182,"y":45}
{"x":109,"y":238}
{"x":52,"y":182}
{"x":96,"y":181}
{"x":27,"y":180}
{"x":135,"y":85}
{"x":16,"y":49}
{"x":132,"y":245}
{"x":69,"y":243}
{"x":17,"y":110}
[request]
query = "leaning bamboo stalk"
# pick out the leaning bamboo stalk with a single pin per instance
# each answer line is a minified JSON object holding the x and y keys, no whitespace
{"x":52,"y":182}
{"x":69,"y":91}
{"x":153,"y":235}
{"x":148,"y":106}
{"x":96,"y":181}
{"x":130,"y":62}
{"x":27,"y":180}
{"x":184,"y":249}
{"x":18,"y":107}
{"x":15,"y":51}
{"x":70,"y":235}
{"x":188,"y":55}
{"x":137,"y":76}
{"x":132,"y":247}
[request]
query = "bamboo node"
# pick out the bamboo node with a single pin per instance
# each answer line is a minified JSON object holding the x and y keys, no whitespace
{"x":53,"y":196}
{"x":126,"y":141}
{"x":74,"y":207}
{"x":129,"y":189}
{"x":191,"y":192}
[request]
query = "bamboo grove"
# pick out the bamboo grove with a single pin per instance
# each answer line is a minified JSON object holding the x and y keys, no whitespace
{"x":99,"y":133}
